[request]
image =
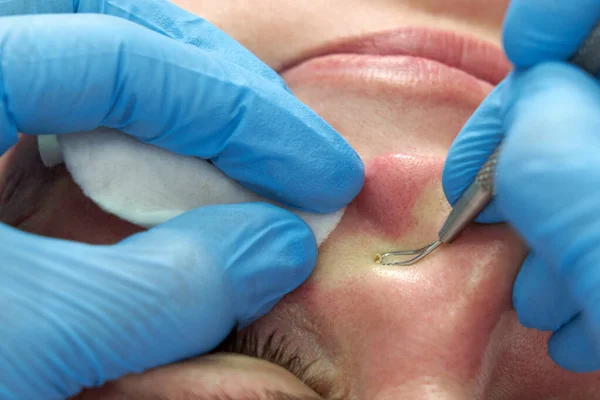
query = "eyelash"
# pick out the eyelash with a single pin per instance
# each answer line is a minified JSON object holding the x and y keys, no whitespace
{"x":276,"y":349}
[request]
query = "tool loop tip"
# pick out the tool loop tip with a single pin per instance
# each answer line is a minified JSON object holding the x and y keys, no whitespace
{"x":418,"y":254}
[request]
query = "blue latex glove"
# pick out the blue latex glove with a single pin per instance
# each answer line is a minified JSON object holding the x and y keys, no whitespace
{"x":76,"y":315}
{"x":548,"y":184}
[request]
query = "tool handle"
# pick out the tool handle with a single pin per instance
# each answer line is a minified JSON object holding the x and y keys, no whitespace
{"x":473,"y":200}
{"x":487,"y":173}
{"x":466,"y":209}
{"x":588,"y":57}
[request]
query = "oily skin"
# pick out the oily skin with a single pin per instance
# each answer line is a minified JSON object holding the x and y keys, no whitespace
{"x":441,"y":329}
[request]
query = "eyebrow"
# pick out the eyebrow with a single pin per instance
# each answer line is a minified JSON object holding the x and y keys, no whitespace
{"x":274,"y":348}
{"x":269,"y":395}
{"x":250,"y":395}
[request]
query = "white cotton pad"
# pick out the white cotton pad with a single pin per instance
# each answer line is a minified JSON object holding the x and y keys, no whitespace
{"x":147,"y":185}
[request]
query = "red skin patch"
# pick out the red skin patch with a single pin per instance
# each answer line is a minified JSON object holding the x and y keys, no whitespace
{"x":393,"y":184}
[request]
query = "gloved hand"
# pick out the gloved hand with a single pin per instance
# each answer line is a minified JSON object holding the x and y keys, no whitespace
{"x":548,"y":174}
{"x":75,"y":315}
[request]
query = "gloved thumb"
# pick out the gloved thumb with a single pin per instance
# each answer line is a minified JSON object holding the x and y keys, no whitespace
{"x":473,"y":146}
{"x":548,"y":189}
{"x":221,"y":266}
{"x":82,"y":315}
{"x":262,"y":252}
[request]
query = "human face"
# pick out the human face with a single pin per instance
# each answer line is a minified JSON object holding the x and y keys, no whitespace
{"x":443,"y":328}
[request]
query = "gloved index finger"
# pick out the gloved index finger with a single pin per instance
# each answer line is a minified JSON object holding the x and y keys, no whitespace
{"x":68,"y":73}
{"x":161,"y":16}
{"x":542,"y":30}
{"x":19,"y":7}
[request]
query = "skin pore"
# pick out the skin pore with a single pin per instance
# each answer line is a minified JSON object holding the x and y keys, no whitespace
{"x":441,"y":329}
